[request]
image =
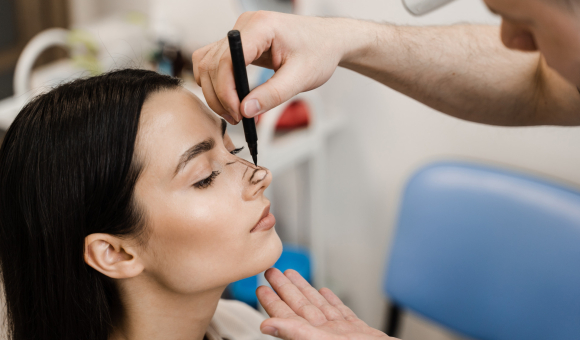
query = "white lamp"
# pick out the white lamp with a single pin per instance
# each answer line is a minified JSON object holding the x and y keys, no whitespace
{"x":420,"y":7}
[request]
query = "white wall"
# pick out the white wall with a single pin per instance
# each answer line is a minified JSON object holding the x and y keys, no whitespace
{"x":87,"y":11}
{"x":193,"y":23}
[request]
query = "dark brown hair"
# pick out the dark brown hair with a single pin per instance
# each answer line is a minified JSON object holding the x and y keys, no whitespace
{"x":67,"y":170}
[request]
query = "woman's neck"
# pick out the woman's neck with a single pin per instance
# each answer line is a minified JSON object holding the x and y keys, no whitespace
{"x":152,"y":312}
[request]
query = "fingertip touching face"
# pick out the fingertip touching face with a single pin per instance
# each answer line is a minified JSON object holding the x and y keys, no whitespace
{"x":549,"y":26}
{"x":202,"y":203}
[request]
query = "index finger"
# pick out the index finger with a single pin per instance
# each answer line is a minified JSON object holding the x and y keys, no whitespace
{"x":331,"y":312}
{"x":336,"y":302}
{"x":274,"y":306}
{"x":225,"y":85}
{"x":294,"y":298}
{"x":196,"y":58}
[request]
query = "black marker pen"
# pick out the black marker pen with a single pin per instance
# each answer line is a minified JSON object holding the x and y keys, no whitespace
{"x":243,"y":88}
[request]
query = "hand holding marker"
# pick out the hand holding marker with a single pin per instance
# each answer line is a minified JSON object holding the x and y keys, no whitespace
{"x":243,"y":88}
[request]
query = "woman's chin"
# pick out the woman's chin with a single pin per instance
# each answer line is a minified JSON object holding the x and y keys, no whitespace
{"x":268,"y":257}
{"x":277,"y":249}
{"x":272,"y":253}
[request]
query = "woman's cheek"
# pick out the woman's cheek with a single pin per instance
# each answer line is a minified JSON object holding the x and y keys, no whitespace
{"x":216,"y":209}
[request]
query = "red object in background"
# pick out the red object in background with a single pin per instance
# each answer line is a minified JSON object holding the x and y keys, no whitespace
{"x":296,"y":115}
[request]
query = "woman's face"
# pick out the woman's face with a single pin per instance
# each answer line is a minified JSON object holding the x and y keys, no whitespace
{"x":204,"y":206}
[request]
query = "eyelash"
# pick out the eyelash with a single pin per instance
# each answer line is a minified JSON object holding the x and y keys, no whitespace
{"x":236,"y":151}
{"x":206,"y":182}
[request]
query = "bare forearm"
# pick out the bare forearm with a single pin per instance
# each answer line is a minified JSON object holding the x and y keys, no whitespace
{"x":463,"y":71}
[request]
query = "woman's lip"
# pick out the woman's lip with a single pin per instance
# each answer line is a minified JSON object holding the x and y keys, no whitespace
{"x":266,"y":222}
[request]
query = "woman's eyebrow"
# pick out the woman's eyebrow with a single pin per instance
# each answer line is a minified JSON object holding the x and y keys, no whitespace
{"x":193,"y":152}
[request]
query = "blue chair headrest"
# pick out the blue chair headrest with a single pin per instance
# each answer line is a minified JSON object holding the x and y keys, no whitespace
{"x":492,"y":254}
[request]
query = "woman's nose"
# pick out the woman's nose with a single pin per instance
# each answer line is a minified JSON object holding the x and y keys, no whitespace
{"x":256,"y":179}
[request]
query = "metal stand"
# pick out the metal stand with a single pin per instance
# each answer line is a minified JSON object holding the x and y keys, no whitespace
{"x":393,"y":320}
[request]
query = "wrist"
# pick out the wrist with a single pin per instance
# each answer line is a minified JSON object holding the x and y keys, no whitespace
{"x":362,"y":40}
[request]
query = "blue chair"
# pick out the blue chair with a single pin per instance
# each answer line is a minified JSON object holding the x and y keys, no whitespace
{"x":488,"y":253}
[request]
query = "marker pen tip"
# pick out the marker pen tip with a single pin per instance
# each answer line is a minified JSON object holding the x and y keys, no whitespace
{"x":255,"y":158}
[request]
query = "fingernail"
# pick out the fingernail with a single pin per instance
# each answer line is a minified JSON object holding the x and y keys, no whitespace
{"x":252,"y":108}
{"x":229,"y":118}
{"x":270,"y":331}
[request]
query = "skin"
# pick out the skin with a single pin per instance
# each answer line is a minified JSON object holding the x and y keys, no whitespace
{"x":461,"y":70}
{"x":551,"y":27}
{"x":198,"y":239}
{"x":299,"y":311}
{"x":525,"y":73}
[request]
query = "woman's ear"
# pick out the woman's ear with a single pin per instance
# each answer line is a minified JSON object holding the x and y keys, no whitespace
{"x":111,"y":256}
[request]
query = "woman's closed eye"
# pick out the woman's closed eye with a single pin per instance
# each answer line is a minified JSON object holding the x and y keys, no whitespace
{"x":206,"y":182}
{"x":236,"y":151}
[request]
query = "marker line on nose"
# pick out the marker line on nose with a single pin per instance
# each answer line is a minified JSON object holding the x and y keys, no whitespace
{"x":261,"y":179}
{"x":255,"y":170}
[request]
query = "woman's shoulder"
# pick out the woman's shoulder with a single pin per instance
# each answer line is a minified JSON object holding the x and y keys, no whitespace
{"x":235,"y":320}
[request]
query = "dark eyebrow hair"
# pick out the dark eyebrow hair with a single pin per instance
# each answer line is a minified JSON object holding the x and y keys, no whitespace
{"x":224,"y":127}
{"x":193,"y":152}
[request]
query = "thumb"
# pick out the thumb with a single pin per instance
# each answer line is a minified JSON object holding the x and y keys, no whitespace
{"x":283,"y":85}
{"x":291,"y":329}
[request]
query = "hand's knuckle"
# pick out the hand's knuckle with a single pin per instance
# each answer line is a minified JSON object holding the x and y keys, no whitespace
{"x":351,"y":318}
{"x":262,"y":15}
{"x":212,"y":66}
{"x":195,"y":56}
{"x":308,"y":288}
{"x":283,"y":285}
{"x":246,"y":15}
{"x":328,"y":308}
{"x":276,"y":95}
{"x":224,"y":58}
{"x":288,"y":315}
{"x":277,"y":303}
{"x":203,"y":65}
{"x":303,"y":308}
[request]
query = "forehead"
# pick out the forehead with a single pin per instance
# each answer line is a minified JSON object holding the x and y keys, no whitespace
{"x":172,"y":121}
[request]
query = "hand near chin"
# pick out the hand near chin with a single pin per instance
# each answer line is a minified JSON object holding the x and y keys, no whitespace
{"x":300,"y":312}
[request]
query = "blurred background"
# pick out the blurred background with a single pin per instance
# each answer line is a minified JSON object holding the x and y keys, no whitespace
{"x":339,"y":170}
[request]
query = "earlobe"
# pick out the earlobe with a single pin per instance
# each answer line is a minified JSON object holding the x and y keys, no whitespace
{"x":111,"y":256}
